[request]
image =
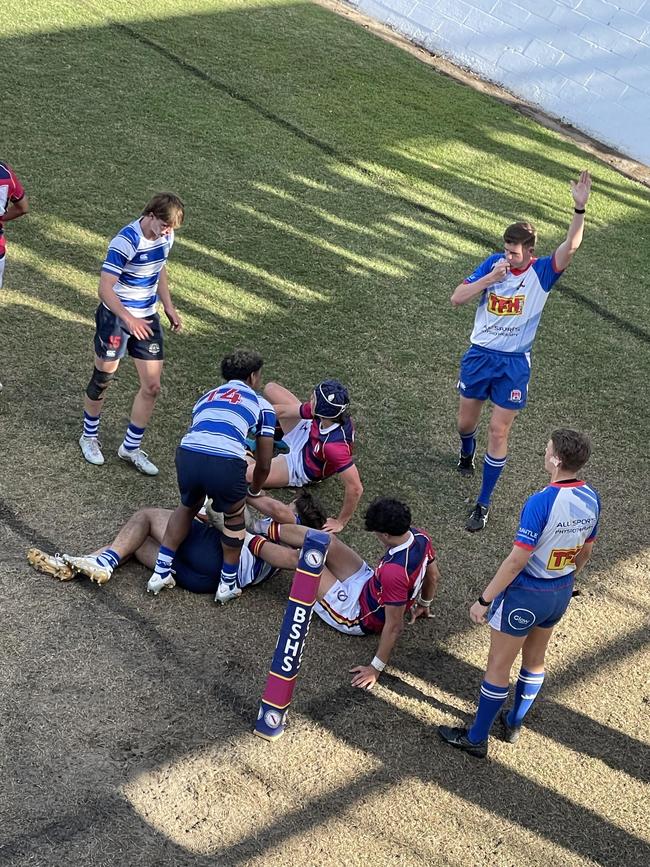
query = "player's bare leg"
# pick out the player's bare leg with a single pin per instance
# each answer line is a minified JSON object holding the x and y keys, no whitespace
{"x":102,"y":376}
{"x":278,"y":476}
{"x":469,"y":414}
{"x":529,"y":682}
{"x":140,"y":527}
{"x":501,"y":421}
{"x":144,"y":402}
{"x":342,"y":561}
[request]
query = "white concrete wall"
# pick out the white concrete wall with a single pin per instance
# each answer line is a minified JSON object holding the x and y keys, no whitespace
{"x":585,"y":61}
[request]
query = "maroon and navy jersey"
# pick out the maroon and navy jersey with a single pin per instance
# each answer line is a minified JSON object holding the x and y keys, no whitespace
{"x":397,"y":580}
{"x":11,"y":191}
{"x":328,"y":449}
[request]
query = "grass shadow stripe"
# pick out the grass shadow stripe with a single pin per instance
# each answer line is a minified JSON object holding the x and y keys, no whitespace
{"x":294,"y":129}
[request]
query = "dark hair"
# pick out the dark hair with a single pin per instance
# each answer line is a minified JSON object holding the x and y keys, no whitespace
{"x":386,"y":515}
{"x":572,"y":448}
{"x":240,"y":364}
{"x":167,"y":207}
{"x":521,"y":233}
{"x":310,"y":511}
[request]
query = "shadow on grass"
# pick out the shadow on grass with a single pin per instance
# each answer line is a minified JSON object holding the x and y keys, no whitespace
{"x":292,"y":182}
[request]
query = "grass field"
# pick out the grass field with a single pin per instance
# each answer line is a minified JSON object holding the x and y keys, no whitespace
{"x":337,"y":190}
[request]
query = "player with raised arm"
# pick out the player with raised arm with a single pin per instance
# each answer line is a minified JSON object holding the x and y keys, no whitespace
{"x":13,"y":204}
{"x":512,"y":288}
{"x":320,"y":437}
{"x":531,"y":590}
{"x":133,"y":278}
{"x":358,"y":600}
{"x":210,"y":462}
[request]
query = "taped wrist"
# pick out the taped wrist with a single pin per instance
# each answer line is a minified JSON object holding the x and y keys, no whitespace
{"x":99,"y":382}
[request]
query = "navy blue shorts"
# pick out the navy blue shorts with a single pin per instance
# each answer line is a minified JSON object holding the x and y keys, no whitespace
{"x":197,"y":563}
{"x":530,"y":602}
{"x":113,"y":339}
{"x":501,"y":377}
{"x":200,"y":475}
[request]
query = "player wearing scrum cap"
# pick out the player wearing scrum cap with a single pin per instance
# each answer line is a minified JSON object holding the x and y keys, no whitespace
{"x":320,"y":436}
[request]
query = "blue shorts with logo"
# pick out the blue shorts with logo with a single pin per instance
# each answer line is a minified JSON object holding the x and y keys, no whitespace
{"x":197,"y":563}
{"x":502,"y":377}
{"x":201,"y":475}
{"x":530,"y":602}
{"x":113,"y":339}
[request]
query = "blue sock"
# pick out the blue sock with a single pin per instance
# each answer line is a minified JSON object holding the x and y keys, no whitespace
{"x":109,"y":558}
{"x":164,"y":561}
{"x":491,"y":700}
{"x":528,"y":686}
{"x":492,"y":468}
{"x":91,"y":425}
{"x":468,"y":442}
{"x":133,"y":437}
{"x":229,"y":574}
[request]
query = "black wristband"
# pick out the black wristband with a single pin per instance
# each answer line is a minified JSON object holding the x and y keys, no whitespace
{"x":579,"y":210}
{"x":482,"y":602}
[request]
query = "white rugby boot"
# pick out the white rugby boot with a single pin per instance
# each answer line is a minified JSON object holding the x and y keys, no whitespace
{"x":51,"y":564}
{"x":91,"y":450}
{"x":90,"y":567}
{"x":139,"y":459}
{"x":226,"y":592}
{"x":160,"y":582}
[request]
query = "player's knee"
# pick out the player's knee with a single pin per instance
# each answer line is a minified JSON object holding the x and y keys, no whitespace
{"x":498,"y":431}
{"x":151,"y":389}
{"x":234,"y":529}
{"x":99,"y":382}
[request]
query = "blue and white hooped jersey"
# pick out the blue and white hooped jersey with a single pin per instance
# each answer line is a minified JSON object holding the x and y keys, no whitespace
{"x":221,"y":419}
{"x":555,"y":523}
{"x":508,"y":312}
{"x":137,"y":263}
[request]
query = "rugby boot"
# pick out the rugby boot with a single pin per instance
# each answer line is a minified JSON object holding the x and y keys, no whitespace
{"x":457,"y":737}
{"x":465,"y":465}
{"x":51,"y":564}
{"x":90,"y":567}
{"x":160,"y":582}
{"x":91,"y":450}
{"x":139,"y":459}
{"x":477,"y":519}
{"x":510,"y":734}
{"x":226,"y":592}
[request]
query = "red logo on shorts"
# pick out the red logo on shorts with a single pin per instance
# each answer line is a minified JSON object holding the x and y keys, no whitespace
{"x":515,"y":394}
{"x":114,"y":341}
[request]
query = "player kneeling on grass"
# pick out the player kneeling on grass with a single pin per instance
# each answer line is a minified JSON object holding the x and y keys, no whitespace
{"x":531,"y":590}
{"x":358,"y":600}
{"x":320,"y":437}
{"x":197,"y":562}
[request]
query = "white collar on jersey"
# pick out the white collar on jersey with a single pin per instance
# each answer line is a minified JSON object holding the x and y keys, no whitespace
{"x":404,"y":545}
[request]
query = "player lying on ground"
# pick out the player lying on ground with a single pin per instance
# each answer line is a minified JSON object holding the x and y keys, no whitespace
{"x":531,"y":590}
{"x":211,"y":462}
{"x":197,"y":563}
{"x":358,"y":600}
{"x":512,"y":288}
{"x":320,"y":436}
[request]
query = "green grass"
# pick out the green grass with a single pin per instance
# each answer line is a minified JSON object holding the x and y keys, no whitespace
{"x":337,"y":190}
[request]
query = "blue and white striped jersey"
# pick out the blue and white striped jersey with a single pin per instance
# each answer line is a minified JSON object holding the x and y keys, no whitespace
{"x":137,"y":263}
{"x":222,"y":418}
{"x":555,"y":523}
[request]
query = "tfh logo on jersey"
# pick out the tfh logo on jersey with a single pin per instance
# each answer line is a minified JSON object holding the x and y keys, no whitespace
{"x":560,"y":558}
{"x":502,"y":305}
